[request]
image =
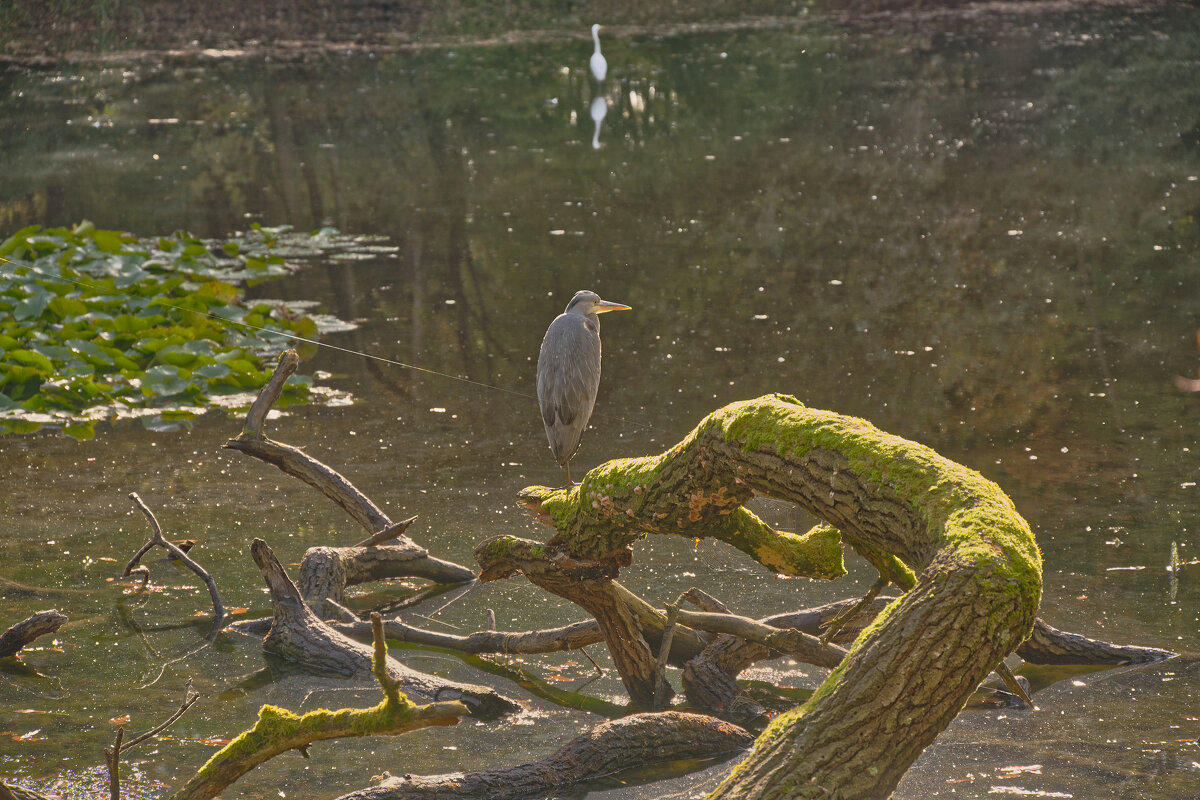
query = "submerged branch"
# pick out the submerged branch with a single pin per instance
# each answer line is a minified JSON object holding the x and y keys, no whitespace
{"x":637,"y":740}
{"x":1049,"y":645}
{"x":552,"y":640}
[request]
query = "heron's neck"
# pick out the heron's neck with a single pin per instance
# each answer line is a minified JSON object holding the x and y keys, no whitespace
{"x":596,"y":39}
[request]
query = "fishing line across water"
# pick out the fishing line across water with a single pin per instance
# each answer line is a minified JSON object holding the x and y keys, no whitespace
{"x":5,"y":261}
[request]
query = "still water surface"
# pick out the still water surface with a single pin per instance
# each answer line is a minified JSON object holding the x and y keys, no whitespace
{"x":982,"y":237}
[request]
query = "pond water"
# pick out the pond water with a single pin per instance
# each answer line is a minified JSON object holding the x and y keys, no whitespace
{"x":983,"y":237}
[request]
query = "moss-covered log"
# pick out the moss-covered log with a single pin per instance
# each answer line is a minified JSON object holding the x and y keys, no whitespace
{"x":977,"y":590}
{"x":278,"y":730}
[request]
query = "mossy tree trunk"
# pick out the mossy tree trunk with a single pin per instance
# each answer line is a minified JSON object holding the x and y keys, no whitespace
{"x":977,"y":567}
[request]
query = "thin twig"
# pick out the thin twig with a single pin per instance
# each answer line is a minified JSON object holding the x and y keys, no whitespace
{"x":1013,"y":685}
{"x":113,"y":756}
{"x":664,"y":650}
{"x":599,"y":671}
{"x":133,"y":562}
{"x":189,"y":697}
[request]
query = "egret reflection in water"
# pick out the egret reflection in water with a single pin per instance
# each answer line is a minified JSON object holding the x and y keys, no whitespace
{"x":598,"y":110}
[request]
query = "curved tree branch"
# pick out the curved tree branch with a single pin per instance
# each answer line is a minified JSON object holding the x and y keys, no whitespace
{"x":976,"y":595}
{"x":157,"y":538}
{"x":299,"y":464}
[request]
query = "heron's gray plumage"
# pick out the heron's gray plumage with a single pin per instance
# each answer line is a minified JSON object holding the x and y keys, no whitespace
{"x":568,"y":373}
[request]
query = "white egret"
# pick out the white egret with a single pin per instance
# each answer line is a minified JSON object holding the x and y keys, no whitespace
{"x":598,"y":63}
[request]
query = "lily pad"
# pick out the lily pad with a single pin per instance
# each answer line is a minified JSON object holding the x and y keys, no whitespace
{"x":99,"y":324}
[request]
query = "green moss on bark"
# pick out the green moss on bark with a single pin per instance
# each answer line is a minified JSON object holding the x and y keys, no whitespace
{"x":944,"y":533}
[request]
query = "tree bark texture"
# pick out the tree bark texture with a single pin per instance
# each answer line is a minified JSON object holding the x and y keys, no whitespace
{"x":977,"y":591}
{"x":608,"y":748}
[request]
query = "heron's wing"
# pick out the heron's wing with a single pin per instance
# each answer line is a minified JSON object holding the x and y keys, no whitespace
{"x":568,"y":378}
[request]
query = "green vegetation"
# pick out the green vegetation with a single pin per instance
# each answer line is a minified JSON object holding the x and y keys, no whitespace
{"x":98,"y":324}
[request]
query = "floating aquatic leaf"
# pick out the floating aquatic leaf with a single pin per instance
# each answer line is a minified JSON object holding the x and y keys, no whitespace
{"x":98,"y":324}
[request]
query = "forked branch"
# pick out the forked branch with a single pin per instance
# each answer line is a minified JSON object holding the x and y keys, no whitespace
{"x":158,"y":540}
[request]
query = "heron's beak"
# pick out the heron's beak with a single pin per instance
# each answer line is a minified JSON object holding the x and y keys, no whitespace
{"x":605,"y":305}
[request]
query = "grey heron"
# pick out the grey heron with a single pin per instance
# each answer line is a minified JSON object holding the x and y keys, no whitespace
{"x":568,"y":373}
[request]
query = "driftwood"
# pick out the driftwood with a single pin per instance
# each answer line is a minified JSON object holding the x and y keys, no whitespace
{"x":1049,"y":645}
{"x":158,"y":540}
{"x":553,"y":640}
{"x":632,"y":628}
{"x":608,"y":748}
{"x":299,"y":635}
{"x":946,"y":535}
{"x":279,"y":730}
{"x":37,"y":624}
{"x":326,"y":572}
{"x":710,"y":677}
{"x":332,"y":568}
{"x":9,"y":791}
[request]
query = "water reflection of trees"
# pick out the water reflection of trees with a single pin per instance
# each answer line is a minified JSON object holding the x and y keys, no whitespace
{"x":895,"y":167}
